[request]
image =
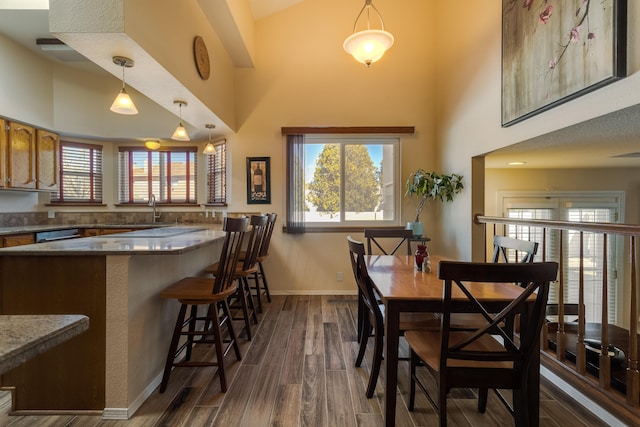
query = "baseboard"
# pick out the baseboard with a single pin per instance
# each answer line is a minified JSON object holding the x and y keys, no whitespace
{"x":126,"y":413}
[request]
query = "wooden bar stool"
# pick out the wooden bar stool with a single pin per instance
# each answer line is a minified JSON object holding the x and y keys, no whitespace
{"x":263,"y":254}
{"x":205,"y":291}
{"x":247,"y":267}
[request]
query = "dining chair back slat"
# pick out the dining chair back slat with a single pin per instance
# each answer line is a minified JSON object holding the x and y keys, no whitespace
{"x":375,"y":236}
{"x":503,"y":245}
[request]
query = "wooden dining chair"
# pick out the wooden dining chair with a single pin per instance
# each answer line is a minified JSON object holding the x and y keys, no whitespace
{"x":374,"y":315}
{"x":504,"y":246}
{"x":247,"y":267}
{"x":380,"y":236}
{"x":475,"y":358}
{"x":212,"y":293}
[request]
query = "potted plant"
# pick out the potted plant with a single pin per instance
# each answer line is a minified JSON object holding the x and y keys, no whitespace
{"x":427,"y":186}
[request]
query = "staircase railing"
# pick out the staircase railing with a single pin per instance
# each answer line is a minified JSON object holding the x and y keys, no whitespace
{"x":630,"y":234}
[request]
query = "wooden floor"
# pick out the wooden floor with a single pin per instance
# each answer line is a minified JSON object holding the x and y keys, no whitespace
{"x":299,"y":371}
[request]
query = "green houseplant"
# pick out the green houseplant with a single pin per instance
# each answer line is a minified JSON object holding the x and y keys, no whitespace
{"x":427,"y":186}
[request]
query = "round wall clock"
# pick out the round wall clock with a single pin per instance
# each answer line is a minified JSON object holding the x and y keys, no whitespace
{"x":201,"y":57}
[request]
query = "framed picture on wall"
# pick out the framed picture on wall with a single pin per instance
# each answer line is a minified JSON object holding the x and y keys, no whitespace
{"x":553,"y":53}
{"x":258,"y":180}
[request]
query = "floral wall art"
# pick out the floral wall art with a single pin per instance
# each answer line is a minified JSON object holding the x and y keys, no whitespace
{"x":556,"y":50}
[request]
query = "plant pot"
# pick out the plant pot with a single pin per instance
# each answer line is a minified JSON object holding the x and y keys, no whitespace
{"x":416,"y":227}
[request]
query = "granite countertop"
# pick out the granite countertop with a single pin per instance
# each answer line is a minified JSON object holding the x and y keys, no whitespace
{"x":51,"y":227}
{"x":25,"y":336}
{"x":175,"y":239}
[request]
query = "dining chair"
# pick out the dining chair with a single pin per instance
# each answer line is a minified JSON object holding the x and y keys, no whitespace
{"x":376,"y":236}
{"x":374,"y":316}
{"x":503,"y":246}
{"x":475,"y":358}
{"x":246,"y":268}
{"x":195,"y":292}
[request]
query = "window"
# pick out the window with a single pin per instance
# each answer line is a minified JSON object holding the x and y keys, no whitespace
{"x":339,"y":181}
{"x":573,"y":207}
{"x":80,"y":174}
{"x":169,"y":174}
{"x":217,"y":175}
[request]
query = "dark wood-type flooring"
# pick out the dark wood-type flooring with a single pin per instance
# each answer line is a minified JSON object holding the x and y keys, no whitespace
{"x":299,"y":371}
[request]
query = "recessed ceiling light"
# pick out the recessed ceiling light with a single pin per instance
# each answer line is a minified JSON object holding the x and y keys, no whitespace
{"x":516,"y":163}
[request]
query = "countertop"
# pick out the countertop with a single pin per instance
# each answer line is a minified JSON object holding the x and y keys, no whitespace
{"x":25,"y":336}
{"x":51,"y":227}
{"x":174,"y":239}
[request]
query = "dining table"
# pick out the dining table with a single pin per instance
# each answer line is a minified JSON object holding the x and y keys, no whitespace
{"x":403,"y":288}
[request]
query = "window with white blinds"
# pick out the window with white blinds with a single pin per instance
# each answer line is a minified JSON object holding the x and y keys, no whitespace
{"x":80,"y":174}
{"x":576,"y":207}
{"x":217,"y":175}
{"x":169,"y":174}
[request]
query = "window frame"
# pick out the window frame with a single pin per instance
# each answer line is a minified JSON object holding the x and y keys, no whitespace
{"x":344,"y":140}
{"x":125,"y":177}
{"x":95,"y":176}
{"x":213,"y":171}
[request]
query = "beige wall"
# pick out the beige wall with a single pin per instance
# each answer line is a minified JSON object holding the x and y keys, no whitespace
{"x":303,"y":77}
{"x":468,"y":77}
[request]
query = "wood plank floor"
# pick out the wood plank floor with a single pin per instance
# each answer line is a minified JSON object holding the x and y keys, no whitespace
{"x":298,"y":371}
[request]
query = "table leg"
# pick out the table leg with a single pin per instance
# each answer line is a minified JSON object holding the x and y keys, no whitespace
{"x":391,"y":334}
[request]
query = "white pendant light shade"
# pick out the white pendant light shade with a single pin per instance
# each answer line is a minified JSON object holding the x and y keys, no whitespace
{"x":368,"y":46}
{"x":209,"y":149}
{"x":123,"y":103}
{"x":180,"y":133}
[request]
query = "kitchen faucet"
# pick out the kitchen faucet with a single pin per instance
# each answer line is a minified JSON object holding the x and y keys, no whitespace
{"x":152,"y":203}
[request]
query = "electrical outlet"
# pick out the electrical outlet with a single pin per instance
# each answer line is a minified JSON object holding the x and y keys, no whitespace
{"x":51,"y":214}
{"x":339,"y":276}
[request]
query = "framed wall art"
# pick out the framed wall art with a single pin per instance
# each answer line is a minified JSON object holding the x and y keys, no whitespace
{"x":258,"y":180}
{"x":553,"y":52}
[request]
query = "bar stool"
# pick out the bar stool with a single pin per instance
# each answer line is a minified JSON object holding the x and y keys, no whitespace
{"x":263,"y":254}
{"x":197,"y":291}
{"x":241,"y":299}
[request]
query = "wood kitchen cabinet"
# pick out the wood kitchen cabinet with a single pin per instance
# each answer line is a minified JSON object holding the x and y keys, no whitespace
{"x":17,"y":240}
{"x":21,"y":156}
{"x":47,"y":153}
{"x":3,"y":152}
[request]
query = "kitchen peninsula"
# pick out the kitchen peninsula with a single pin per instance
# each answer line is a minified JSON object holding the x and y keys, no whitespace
{"x":114,"y":280}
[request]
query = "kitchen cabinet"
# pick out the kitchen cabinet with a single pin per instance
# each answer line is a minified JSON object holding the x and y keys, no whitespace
{"x":47,"y":153}
{"x":3,"y":152}
{"x":21,"y":156}
{"x":18,"y":240}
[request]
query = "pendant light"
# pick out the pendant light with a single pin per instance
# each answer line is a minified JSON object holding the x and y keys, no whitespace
{"x":123,"y":103}
{"x":367,"y":46}
{"x":209,"y":149}
{"x":180,"y":133}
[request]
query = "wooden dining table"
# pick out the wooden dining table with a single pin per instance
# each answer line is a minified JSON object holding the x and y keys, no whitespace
{"x":405,"y":289}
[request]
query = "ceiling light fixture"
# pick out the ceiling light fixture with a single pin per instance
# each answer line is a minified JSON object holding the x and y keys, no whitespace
{"x":152,"y":144}
{"x":209,"y":149}
{"x":181,"y":133}
{"x":123,"y":103}
{"x":367,"y":46}
{"x":518,"y":163}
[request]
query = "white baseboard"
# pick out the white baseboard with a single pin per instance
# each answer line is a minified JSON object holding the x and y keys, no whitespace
{"x":126,"y":413}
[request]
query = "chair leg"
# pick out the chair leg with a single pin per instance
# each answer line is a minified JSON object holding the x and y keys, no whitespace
{"x":252,"y":306}
{"x":413,"y":362}
{"x":363,"y":341}
{"x":361,"y":315}
{"x":217,"y":335}
{"x":192,"y":329}
{"x":264,"y":281}
{"x":483,"y":394}
{"x":226,"y":317}
{"x":442,"y":404}
{"x":256,"y":279}
{"x":172,"y":348}
{"x":375,"y":363}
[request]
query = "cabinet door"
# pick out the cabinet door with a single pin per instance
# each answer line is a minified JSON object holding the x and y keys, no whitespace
{"x":21,"y":156}
{"x":4,"y":131}
{"x":18,"y":240}
{"x":47,"y":160}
